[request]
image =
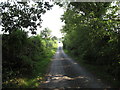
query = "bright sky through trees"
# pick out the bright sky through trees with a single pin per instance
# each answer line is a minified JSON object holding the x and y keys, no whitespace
{"x":51,"y":19}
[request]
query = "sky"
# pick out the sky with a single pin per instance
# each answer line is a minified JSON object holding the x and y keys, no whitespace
{"x":51,"y":19}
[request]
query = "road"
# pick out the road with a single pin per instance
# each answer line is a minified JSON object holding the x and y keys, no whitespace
{"x":66,"y":73}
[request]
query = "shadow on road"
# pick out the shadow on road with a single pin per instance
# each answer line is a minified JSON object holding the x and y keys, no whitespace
{"x":66,"y":73}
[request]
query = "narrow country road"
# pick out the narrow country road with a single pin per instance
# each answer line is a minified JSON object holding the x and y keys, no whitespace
{"x":66,"y":73}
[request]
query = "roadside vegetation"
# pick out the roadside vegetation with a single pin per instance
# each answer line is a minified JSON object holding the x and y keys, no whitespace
{"x":25,"y":58}
{"x":92,"y":35}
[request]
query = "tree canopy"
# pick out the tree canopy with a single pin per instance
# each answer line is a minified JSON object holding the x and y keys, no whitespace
{"x":24,"y":58}
{"x":19,"y":15}
{"x":92,"y":34}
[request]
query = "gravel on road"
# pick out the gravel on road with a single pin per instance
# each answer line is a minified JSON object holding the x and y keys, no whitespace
{"x":64,"y":72}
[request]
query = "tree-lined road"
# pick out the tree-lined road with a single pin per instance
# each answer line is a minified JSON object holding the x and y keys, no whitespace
{"x":66,"y":73}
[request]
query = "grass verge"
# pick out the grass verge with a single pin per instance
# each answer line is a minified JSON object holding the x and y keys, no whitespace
{"x":34,"y":80}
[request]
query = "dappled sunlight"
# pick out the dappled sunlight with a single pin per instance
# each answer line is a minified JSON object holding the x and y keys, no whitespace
{"x":16,"y":81}
{"x":64,"y":72}
{"x":58,"y":78}
{"x":34,"y":35}
{"x":24,"y":82}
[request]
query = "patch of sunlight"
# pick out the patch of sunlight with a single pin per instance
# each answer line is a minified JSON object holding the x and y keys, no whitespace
{"x":39,"y":78}
{"x":21,"y":82}
{"x":36,"y":84}
{"x":24,"y":82}
{"x":57,"y":78}
{"x":53,"y":51}
{"x":63,"y":77}
{"x":55,"y":45}
{"x":18,"y":81}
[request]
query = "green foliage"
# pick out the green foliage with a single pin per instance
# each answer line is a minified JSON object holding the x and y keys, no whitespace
{"x":92,"y":34}
{"x":98,"y":8}
{"x":16,"y":15}
{"x":24,"y":57}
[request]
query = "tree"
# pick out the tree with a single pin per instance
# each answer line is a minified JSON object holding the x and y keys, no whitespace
{"x":92,"y":34}
{"x":18,"y":15}
{"x":46,"y":33}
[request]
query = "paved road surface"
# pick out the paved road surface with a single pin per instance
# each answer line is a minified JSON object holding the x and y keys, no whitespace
{"x":66,"y":73}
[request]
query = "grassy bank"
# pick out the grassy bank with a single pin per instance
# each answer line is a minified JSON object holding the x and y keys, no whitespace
{"x":32,"y":81}
{"x":25,"y":59}
{"x":98,"y":71}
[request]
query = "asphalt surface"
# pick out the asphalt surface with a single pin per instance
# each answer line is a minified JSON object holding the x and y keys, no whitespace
{"x":66,"y":73}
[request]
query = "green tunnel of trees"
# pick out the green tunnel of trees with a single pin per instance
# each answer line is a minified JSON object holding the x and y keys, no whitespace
{"x":92,"y":33}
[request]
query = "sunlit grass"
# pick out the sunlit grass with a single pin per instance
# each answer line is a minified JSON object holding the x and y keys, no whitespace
{"x":24,"y":82}
{"x":34,"y":80}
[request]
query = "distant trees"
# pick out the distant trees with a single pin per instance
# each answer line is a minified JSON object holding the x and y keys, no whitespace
{"x":92,"y":33}
{"x":46,"y":33}
{"x":48,"y":38}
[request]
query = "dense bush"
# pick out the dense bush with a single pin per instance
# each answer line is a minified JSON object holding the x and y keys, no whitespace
{"x":23,"y":55}
{"x":93,"y":35}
